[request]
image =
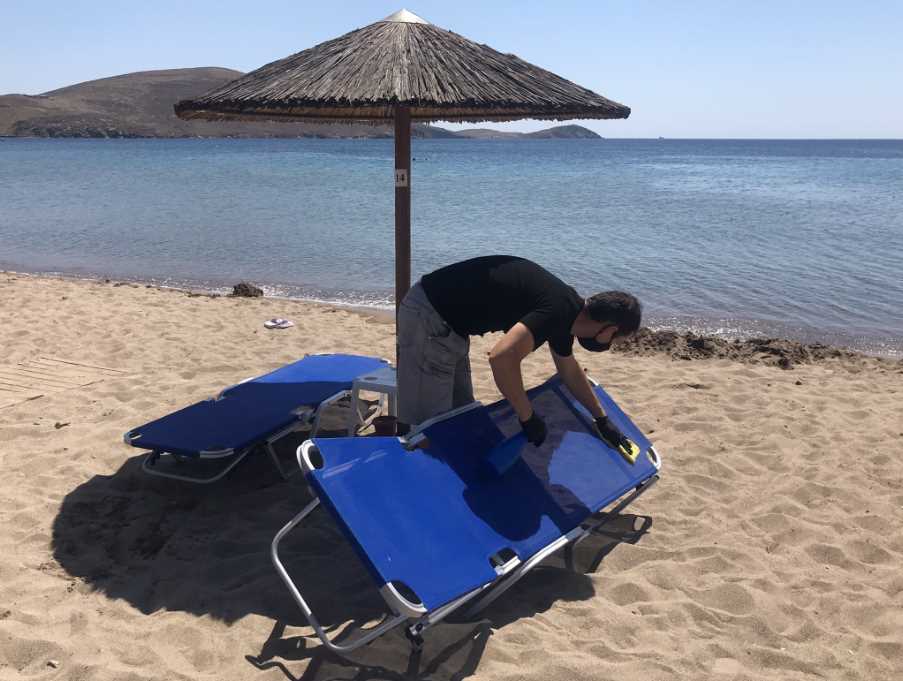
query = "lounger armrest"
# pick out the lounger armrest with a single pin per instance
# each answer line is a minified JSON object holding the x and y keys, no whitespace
{"x":399,"y":604}
{"x":655,"y":458}
{"x":304,"y":452}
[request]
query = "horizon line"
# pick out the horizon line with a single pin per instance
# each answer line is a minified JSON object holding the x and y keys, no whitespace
{"x":439,"y":139}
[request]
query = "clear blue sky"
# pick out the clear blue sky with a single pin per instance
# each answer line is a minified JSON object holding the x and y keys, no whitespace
{"x":701,"y":68}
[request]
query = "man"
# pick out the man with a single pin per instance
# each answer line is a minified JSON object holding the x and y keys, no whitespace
{"x":532,"y":306}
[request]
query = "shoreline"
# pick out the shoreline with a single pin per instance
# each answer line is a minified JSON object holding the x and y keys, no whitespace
{"x":379,"y":313}
{"x":694,"y":277}
{"x":676,"y":344}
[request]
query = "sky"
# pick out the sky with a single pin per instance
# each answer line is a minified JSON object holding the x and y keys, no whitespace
{"x":698,"y":68}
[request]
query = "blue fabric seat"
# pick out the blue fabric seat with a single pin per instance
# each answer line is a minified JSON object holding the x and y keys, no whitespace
{"x":439,"y":522}
{"x":249,"y":413}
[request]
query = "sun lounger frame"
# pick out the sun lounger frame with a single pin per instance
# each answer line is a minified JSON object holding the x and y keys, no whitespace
{"x":417,"y":617}
{"x":306,"y":415}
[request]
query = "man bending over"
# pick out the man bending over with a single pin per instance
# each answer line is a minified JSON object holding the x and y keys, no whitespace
{"x":532,"y":306}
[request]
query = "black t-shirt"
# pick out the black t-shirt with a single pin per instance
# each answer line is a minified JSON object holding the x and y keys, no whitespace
{"x":495,"y":292}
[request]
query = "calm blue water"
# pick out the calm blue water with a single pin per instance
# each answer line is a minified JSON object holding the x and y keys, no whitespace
{"x":802,"y":239}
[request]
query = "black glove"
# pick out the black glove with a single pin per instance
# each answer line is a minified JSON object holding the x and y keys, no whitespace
{"x":535,"y":429}
{"x":609,"y":432}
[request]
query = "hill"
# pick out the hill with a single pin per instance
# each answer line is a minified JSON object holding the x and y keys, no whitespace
{"x":140,"y":105}
{"x":558,"y":132}
{"x":574,"y":132}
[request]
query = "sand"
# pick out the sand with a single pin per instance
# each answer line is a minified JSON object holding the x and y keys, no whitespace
{"x":771,"y":549}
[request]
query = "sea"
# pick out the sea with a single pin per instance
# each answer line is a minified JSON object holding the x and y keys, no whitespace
{"x":797,"y":239}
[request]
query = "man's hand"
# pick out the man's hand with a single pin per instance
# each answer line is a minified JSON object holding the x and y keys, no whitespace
{"x":535,"y":429}
{"x":609,"y":432}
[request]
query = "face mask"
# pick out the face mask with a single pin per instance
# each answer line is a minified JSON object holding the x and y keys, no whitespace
{"x":593,"y":345}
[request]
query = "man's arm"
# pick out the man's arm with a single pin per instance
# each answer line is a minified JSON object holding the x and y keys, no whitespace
{"x":505,"y":359}
{"x":577,"y":382}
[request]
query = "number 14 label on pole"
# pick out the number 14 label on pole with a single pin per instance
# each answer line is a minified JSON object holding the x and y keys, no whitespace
{"x":401,"y":177}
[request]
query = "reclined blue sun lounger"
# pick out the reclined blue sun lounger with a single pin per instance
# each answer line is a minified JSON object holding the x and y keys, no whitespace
{"x":257,"y":411}
{"x":437,"y":528}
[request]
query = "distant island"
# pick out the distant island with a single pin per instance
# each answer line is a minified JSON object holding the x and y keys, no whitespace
{"x":558,"y":132}
{"x":136,"y":105}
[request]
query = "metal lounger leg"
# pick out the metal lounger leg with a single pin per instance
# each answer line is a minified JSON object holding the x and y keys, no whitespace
{"x":272,"y":452}
{"x":354,"y":413}
{"x":325,"y":403}
{"x":148,"y":468}
{"x":575,"y":536}
{"x":357,"y":420}
{"x":386,"y":625}
{"x":522,"y":570}
{"x":415,"y":630}
{"x":308,"y":417}
{"x":608,"y":516}
{"x":271,"y":441}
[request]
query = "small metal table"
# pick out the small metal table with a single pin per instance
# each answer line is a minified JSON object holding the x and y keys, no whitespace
{"x":381,"y":381}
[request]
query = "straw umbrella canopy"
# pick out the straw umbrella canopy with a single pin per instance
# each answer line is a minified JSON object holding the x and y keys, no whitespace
{"x":400,"y":69}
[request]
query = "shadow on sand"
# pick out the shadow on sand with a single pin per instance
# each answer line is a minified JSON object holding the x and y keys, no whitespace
{"x":452,"y":652}
{"x":204,"y":550}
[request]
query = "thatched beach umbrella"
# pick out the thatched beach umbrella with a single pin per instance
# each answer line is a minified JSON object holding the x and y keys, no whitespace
{"x":400,"y":69}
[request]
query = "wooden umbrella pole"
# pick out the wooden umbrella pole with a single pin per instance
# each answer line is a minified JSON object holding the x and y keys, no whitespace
{"x":402,"y":203}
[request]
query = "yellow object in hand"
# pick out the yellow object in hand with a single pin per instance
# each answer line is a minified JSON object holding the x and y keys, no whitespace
{"x":629,"y":452}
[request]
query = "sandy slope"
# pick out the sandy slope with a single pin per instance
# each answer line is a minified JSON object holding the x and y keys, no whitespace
{"x":772,"y":547}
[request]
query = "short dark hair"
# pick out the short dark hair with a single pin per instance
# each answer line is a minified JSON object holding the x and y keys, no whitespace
{"x":616,"y":307}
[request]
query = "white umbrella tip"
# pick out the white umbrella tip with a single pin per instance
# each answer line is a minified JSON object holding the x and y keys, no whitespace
{"x":403,"y":16}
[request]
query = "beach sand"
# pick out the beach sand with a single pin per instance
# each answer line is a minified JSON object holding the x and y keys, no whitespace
{"x":772,"y":548}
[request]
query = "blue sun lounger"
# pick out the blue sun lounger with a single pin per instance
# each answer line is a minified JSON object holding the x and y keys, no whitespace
{"x":437,"y":528}
{"x":257,"y":411}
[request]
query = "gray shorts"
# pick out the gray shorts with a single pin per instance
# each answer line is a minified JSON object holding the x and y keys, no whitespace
{"x":433,"y":361}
